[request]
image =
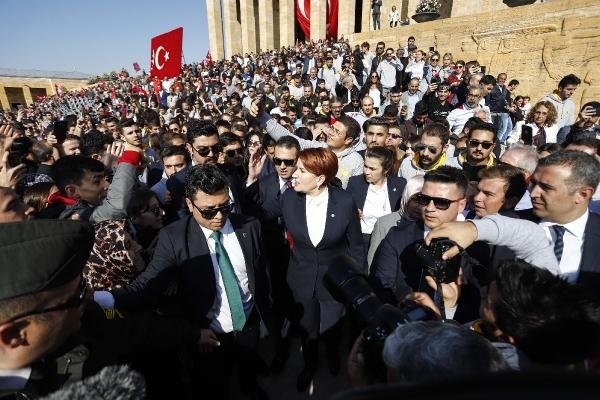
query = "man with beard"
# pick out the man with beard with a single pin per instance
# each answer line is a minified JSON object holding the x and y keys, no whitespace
{"x":430,"y":152}
{"x":461,"y":114}
{"x":481,"y":140}
{"x":415,"y":125}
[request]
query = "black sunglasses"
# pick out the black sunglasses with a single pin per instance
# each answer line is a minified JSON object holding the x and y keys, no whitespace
{"x":210,"y":213}
{"x":439,"y":202}
{"x":72,"y":302}
{"x":395,"y":136}
{"x":287,"y":163}
{"x":204,"y":151}
{"x":475,"y":143}
{"x":233,"y":152}
{"x":421,"y":147}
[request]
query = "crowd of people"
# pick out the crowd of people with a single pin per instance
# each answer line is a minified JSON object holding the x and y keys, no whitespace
{"x":174,"y":225}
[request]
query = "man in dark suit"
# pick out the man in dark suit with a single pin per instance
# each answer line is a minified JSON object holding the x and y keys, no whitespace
{"x":218,"y":262}
{"x":396,"y":270}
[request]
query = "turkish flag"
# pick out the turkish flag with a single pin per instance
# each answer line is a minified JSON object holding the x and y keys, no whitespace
{"x":165,"y":58}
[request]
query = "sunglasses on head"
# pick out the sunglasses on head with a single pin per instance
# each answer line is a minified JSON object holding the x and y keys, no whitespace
{"x":439,"y":202}
{"x":287,"y":163}
{"x":233,"y":152}
{"x":210,"y":213}
{"x":204,"y":151}
{"x":421,"y":147}
{"x":475,"y":143}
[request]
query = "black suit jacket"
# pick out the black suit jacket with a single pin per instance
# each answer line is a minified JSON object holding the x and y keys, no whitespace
{"x":589,"y":269}
{"x":358,"y":187}
{"x":182,"y":252}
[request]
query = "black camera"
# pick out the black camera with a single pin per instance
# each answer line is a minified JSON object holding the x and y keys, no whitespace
{"x":442,"y":271}
{"x":435,"y":79}
{"x":349,"y":286}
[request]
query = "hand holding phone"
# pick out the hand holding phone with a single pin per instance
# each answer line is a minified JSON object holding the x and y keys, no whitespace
{"x":527,"y":135}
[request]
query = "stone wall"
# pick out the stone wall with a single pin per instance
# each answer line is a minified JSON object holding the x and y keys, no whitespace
{"x":19,"y":90}
{"x":536,"y":44}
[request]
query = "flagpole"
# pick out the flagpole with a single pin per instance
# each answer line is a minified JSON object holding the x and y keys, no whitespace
{"x":183,"y":56}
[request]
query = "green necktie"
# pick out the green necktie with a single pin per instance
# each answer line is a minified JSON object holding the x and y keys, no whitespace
{"x":232,"y":288}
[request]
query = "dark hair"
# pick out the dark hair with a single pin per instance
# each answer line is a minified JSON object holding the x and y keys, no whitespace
{"x":513,"y":82}
{"x":383,"y":154}
{"x":447,"y":174}
{"x":438,"y":130}
{"x":288,"y":142}
{"x":421,"y":108}
{"x":352,"y":127}
{"x":380,"y":121}
{"x":36,"y":195}
{"x":93,"y":142}
{"x":585,"y":169}
{"x":71,"y":169}
{"x":390,"y":111}
{"x":570,"y":79}
{"x":126,"y":123}
{"x":206,"y":178}
{"x":479,"y":125}
{"x":549,"y":147}
{"x":592,"y":143}
{"x":320,"y":161}
{"x":197,"y":128}
{"x":515,"y":184}
{"x":139,"y":201}
{"x":550,"y":320}
{"x":170,"y":151}
{"x":228,"y":138}
{"x":487,"y":80}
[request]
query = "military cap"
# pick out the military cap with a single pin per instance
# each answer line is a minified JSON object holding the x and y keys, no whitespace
{"x":42,"y":254}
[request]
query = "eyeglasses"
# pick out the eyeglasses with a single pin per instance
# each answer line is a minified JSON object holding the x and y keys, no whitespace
{"x":476,"y":143}
{"x":460,"y":66}
{"x":435,"y":59}
{"x":421,"y":147}
{"x":439,"y":202}
{"x":395,"y":136}
{"x":374,"y":76}
{"x":210,"y":213}
{"x":72,"y":302}
{"x":233,"y":152}
{"x":287,"y":163}
{"x":204,"y":151}
{"x":254,"y":144}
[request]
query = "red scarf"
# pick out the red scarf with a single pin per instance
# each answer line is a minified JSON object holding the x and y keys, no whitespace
{"x":57,"y":198}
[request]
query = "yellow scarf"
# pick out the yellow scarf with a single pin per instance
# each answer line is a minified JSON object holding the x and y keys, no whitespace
{"x":435,"y":166}
{"x":462,"y":158}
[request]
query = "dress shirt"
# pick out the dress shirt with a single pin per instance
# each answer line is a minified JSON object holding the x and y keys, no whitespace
{"x":220,"y":315}
{"x":14,"y":379}
{"x":377,"y":204}
{"x":316,"y":215}
{"x":573,"y":245}
{"x":282,"y":185}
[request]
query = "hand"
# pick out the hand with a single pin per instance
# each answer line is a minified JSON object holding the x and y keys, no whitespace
{"x":462,"y":233}
{"x":208,"y":341}
{"x":450,"y":291}
{"x":586,"y":114}
{"x":255,"y":165}
{"x":255,"y":108}
{"x":10,"y":176}
{"x":51,"y":139}
{"x":112,"y":154}
{"x":432,"y":87}
{"x":360,"y":214}
{"x":10,"y":134}
{"x":423,"y":299}
{"x":404,"y":111}
{"x":356,"y":364}
{"x":168,"y":198}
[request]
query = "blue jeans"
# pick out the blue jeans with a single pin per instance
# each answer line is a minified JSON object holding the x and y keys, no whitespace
{"x":501,"y":122}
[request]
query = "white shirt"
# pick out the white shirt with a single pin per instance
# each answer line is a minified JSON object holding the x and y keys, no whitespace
{"x":316,"y":215}
{"x":220,"y":315}
{"x":14,"y":379}
{"x":282,"y":185}
{"x":573,"y":245}
{"x":377,"y":204}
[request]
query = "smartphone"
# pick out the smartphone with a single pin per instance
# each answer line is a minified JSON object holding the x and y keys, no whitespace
{"x":482,"y":69}
{"x":527,"y":135}
{"x":60,"y":130}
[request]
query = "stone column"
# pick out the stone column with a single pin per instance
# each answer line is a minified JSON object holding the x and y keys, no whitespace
{"x":265,"y":20}
{"x":4,"y":98}
{"x":346,"y":13}
{"x":287,"y":25}
{"x":248,"y":26}
{"x":233,"y":29}
{"x":318,"y":19}
{"x":27,"y":95}
{"x":215,"y":29}
{"x":367,"y":19}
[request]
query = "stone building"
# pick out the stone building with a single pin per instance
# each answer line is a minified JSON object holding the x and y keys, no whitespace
{"x":537,"y":43}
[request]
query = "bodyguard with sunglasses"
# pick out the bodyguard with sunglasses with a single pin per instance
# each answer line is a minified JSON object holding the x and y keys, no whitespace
{"x":481,"y":140}
{"x":396,"y":270}
{"x":217,"y":259}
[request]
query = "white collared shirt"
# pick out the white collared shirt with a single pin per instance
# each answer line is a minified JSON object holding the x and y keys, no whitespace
{"x":14,"y":379}
{"x":573,"y":245}
{"x":316,"y":215}
{"x":220,"y":315}
{"x":377,"y":204}
{"x":282,"y":185}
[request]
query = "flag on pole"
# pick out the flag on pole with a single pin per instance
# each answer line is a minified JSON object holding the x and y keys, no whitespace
{"x":165,"y":59}
{"x":136,"y":67}
{"x":208,"y":58}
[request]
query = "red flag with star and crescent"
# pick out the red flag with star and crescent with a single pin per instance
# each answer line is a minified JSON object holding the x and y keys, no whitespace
{"x":165,"y":56}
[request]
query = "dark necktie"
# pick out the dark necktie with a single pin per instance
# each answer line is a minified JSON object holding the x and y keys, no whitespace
{"x":232,"y":288}
{"x":540,"y":138}
{"x":558,"y":243}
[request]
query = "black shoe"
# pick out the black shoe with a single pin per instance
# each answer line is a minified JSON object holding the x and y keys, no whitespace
{"x":304,"y":379}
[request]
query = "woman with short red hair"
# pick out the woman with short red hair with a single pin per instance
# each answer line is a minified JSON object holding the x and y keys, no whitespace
{"x":323,"y":222}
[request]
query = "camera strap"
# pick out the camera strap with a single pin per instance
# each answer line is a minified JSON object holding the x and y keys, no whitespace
{"x":438,"y":299}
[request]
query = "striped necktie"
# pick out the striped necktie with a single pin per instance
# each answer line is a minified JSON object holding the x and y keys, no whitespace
{"x":559,"y":245}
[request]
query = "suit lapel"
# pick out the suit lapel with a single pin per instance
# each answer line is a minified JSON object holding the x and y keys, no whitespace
{"x":330,"y":217}
{"x":196,"y":242}
{"x":245,"y":240}
{"x":364,"y":188}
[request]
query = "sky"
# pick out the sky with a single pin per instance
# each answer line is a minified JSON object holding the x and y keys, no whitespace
{"x":96,"y":36}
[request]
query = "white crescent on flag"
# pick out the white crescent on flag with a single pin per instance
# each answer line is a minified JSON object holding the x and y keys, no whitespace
{"x":156,"y":57}
{"x":302,"y":7}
